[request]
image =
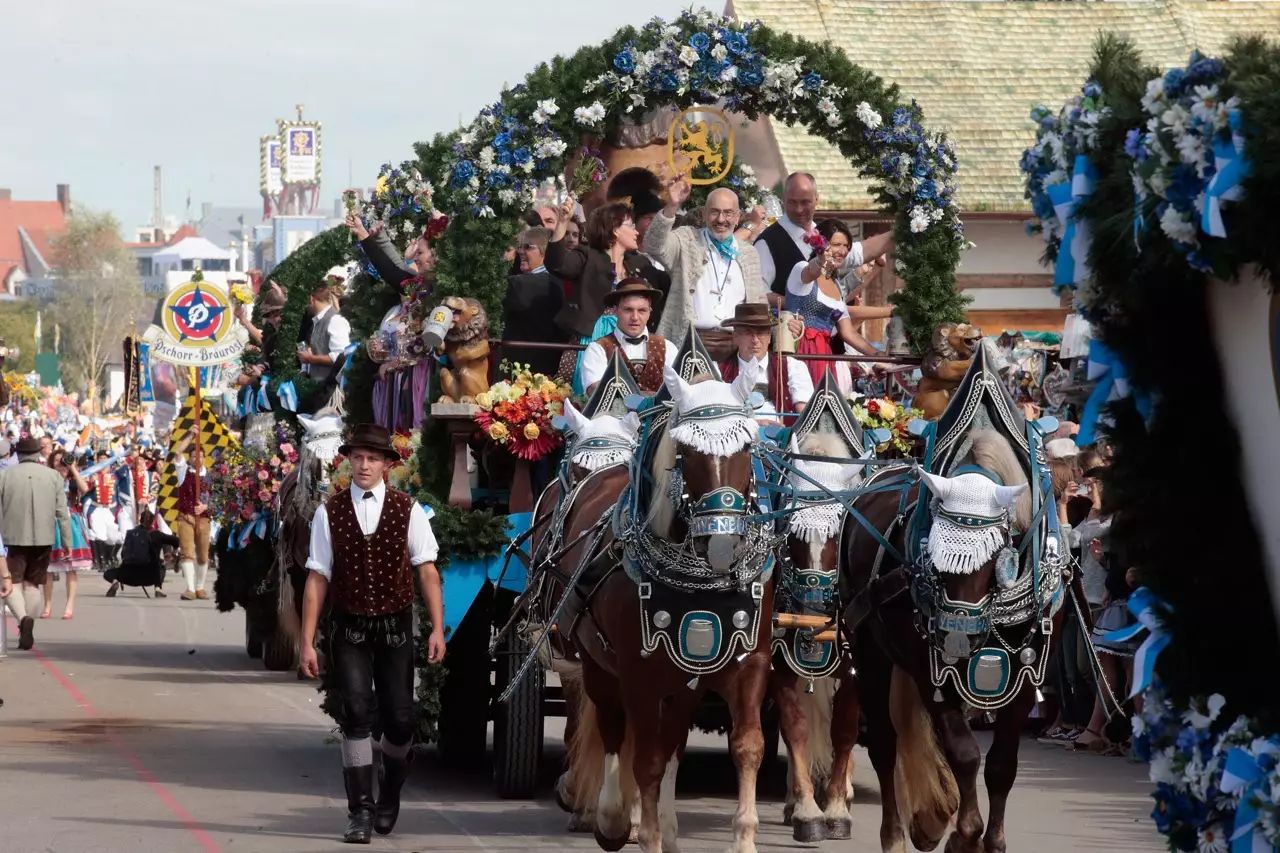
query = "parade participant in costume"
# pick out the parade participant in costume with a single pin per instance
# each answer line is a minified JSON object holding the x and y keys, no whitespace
{"x":193,"y":523}
{"x":752,"y":326}
{"x":814,"y":296}
{"x":369,"y":542}
{"x":102,"y":507}
{"x":323,"y":354}
{"x":533,"y":296}
{"x":641,"y":189}
{"x":34,"y":498}
{"x":72,"y":555}
{"x":634,"y":301}
{"x":711,"y":270}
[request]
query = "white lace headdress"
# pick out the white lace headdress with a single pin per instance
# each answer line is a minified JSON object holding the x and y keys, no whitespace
{"x":972,"y":522}
{"x":713,"y":417}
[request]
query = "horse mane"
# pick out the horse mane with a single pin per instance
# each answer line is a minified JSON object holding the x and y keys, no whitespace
{"x":662,"y":510}
{"x":992,"y":451}
{"x":825,"y":444}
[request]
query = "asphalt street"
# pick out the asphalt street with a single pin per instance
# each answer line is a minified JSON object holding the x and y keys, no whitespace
{"x":141,"y":725}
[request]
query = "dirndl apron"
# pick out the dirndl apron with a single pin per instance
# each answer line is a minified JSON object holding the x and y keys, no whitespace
{"x":75,"y":556}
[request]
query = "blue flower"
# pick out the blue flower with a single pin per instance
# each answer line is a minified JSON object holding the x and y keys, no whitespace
{"x":496,"y":179}
{"x":1173,"y":82}
{"x":812,"y":81}
{"x":1048,"y":122}
{"x":901,"y":117}
{"x":1133,"y":145}
{"x":701,"y":41}
{"x":1092,"y":89}
{"x":505,"y":157}
{"x":735,"y":42}
{"x":463,"y":172}
{"x":928,"y":191}
{"x":750,"y":77}
{"x":502,"y":140}
{"x":522,"y":155}
{"x":1203,"y":71}
{"x":668,"y":81}
{"x":624,"y":62}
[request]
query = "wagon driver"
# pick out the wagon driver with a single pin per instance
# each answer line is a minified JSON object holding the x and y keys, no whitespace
{"x":368,"y":542}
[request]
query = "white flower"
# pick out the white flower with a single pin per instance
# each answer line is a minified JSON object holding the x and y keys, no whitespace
{"x":868,"y":116}
{"x":1139,"y":725}
{"x":467,"y":137}
{"x":485,"y":212}
{"x":688,"y":55}
{"x":486,"y":158}
{"x":729,"y":74}
{"x":1176,"y":118}
{"x":1213,"y":839}
{"x":747,"y":170}
{"x":1191,"y":150}
{"x":527,"y":166}
{"x":719,"y":52}
{"x":834,"y":119}
{"x":549,"y":147}
{"x":637,"y":100}
{"x":1161,"y":769}
{"x":919,"y":220}
{"x":1159,"y":183}
{"x":507,"y":196}
{"x":546,"y":109}
{"x":591,"y":115}
{"x":1181,"y":229}
{"x":1153,"y":101}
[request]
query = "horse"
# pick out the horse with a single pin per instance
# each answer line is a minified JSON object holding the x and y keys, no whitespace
{"x":936,"y":583}
{"x":818,"y":722}
{"x":685,"y":566}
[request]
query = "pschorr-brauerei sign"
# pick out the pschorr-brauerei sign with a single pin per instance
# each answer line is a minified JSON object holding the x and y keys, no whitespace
{"x":197,"y":327}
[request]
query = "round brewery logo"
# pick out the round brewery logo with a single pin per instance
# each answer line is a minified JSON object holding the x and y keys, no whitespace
{"x":196,"y":314}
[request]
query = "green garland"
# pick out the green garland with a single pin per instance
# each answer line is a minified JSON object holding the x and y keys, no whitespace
{"x":1180,"y":466}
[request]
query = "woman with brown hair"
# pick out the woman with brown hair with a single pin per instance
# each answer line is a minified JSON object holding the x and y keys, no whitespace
{"x":68,"y":558}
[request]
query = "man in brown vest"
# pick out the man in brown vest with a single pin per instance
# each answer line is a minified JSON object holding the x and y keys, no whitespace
{"x":634,"y":300}
{"x":367,"y":542}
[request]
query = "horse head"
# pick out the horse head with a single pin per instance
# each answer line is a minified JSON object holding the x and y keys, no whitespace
{"x":707,"y":465}
{"x":600,"y":442}
{"x":814,"y":529}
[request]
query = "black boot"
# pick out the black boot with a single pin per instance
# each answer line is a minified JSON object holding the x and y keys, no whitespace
{"x":390,"y":780}
{"x":359,"y":782}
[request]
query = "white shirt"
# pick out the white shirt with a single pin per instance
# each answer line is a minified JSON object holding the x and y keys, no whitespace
{"x":799,"y":384}
{"x":720,"y":288}
{"x":423,"y":547}
{"x":769,"y":267}
{"x":595,"y":362}
{"x":339,"y":336}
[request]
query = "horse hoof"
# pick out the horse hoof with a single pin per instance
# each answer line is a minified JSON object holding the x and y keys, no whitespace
{"x":788,"y":811}
{"x":562,"y":796}
{"x":839,"y":828}
{"x":612,"y":844}
{"x":583,"y":823}
{"x":809,"y":831}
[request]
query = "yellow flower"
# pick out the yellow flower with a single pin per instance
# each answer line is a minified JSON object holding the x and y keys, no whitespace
{"x":380,"y":188}
{"x":888,"y":410}
{"x":484,"y":401}
{"x":531,"y":431}
{"x":498,"y":431}
{"x":548,"y":389}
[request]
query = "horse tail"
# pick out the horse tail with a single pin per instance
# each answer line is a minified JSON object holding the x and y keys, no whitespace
{"x":817,"y":707}
{"x":288,"y":623}
{"x":926,"y":789}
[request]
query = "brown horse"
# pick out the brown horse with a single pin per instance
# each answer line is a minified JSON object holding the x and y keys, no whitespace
{"x":639,"y":681}
{"x":818,"y":722}
{"x":923,"y":751}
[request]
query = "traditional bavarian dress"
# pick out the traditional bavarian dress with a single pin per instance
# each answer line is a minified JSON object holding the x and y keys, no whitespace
{"x":75,"y":556}
{"x":821,"y":314}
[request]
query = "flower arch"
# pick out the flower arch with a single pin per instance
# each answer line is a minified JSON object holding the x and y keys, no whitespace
{"x":485,"y":174}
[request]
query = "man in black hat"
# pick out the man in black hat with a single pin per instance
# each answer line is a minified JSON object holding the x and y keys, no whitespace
{"x":789,"y":385}
{"x":646,"y":354}
{"x":367,"y":542}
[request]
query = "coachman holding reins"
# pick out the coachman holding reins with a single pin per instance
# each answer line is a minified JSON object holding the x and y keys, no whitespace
{"x":367,"y":543}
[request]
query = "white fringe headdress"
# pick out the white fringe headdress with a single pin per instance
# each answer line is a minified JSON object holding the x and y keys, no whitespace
{"x":603,"y":441}
{"x":728,"y":424}
{"x":322,"y":436}
{"x":971,"y":524}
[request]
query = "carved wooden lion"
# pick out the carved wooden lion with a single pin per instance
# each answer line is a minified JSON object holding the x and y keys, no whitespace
{"x":467,"y":347}
{"x":946,"y":361}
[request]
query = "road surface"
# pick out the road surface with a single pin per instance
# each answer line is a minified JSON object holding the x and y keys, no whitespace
{"x":141,"y":725}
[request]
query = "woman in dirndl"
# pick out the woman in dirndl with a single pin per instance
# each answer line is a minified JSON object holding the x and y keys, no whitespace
{"x":75,"y":556}
{"x":816,"y":297}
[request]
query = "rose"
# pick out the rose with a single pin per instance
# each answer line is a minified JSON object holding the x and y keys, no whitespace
{"x":484,"y":400}
{"x":498,"y":431}
{"x":624,"y":62}
{"x":888,"y":410}
{"x":873,"y":408}
{"x":531,"y":431}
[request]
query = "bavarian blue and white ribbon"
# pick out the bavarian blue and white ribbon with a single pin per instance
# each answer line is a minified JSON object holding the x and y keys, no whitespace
{"x":1146,"y":608}
{"x":1231,"y":168}
{"x":264,"y":394}
{"x":346,"y":364}
{"x":1106,"y":369}
{"x":288,"y":396}
{"x":258,"y":525}
{"x":1245,"y":775}
{"x":1072,"y":265}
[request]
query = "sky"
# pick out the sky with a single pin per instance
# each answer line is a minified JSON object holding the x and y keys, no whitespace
{"x":99,"y":93}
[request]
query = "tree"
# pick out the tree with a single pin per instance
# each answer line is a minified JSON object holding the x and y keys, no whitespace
{"x":96,"y":298}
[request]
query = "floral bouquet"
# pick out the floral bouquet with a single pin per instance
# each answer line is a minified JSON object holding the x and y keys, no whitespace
{"x":1189,"y":113}
{"x":406,"y":477}
{"x":246,"y":483}
{"x":241,"y":294}
{"x":517,"y":413}
{"x":815,"y":239}
{"x":19,"y":389}
{"x":589,"y":173}
{"x":883,"y":413}
{"x":401,"y":202}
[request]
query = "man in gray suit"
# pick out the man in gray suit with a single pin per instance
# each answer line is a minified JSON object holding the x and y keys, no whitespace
{"x":33,"y":497}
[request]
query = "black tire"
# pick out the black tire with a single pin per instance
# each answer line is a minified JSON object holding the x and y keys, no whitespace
{"x":517,"y":726}
{"x":278,"y":653}
{"x":252,"y":637}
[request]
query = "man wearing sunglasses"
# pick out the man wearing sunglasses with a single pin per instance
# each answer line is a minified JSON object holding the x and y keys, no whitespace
{"x":533,"y":298}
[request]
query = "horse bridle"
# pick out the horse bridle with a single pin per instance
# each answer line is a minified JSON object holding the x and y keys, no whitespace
{"x":724,"y":509}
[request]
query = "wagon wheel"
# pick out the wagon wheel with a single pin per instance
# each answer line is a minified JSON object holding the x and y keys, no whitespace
{"x":517,"y":727}
{"x":252,"y":636}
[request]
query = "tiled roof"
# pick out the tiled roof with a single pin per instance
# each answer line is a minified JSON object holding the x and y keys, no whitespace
{"x":977,"y":69}
{"x":41,"y":220}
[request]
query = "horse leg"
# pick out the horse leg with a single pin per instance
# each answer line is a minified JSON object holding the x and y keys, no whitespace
{"x":844,"y":736}
{"x":613,"y":820}
{"x":964,"y":757}
{"x":882,"y":746}
{"x":746,"y":743}
{"x":677,"y":714}
{"x":802,"y":810}
{"x":650,"y":763}
{"x":1002,"y":764}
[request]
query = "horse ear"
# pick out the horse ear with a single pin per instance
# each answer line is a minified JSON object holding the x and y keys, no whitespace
{"x":631,"y":423}
{"x":574,"y":417}
{"x":940,"y":486}
{"x":680,"y":390}
{"x":1006,"y":495}
{"x":749,"y":377}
